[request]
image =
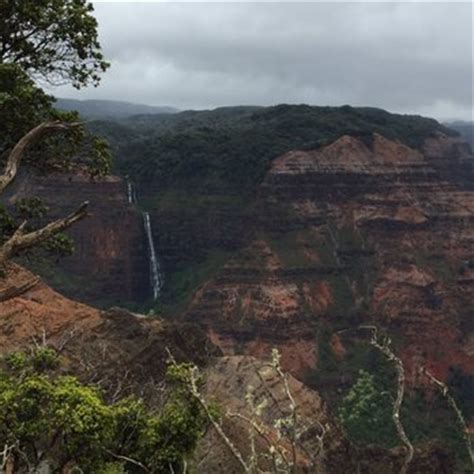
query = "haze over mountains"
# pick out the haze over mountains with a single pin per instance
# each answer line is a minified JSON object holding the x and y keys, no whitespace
{"x":466,"y":129}
{"x":110,"y":109}
{"x":116,"y":109}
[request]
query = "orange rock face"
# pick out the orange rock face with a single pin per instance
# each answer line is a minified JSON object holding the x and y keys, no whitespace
{"x":115,"y":346}
{"x":350,"y":234}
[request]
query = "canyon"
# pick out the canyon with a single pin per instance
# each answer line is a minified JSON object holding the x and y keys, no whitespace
{"x":361,"y":230}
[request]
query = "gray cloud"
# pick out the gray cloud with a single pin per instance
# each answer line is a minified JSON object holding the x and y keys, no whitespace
{"x":407,"y":57}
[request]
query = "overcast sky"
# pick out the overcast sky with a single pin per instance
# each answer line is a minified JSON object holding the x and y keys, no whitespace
{"x":405,"y":57}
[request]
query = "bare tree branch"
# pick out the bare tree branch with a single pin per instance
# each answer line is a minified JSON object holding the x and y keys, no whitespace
{"x":127,"y":459}
{"x":20,"y":241}
{"x":384,"y":347}
{"x":444,"y":389}
{"x":19,"y":150}
{"x":194,"y":391}
{"x":292,"y":405}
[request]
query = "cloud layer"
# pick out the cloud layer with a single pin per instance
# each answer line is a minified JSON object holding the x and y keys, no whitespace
{"x":407,"y":57}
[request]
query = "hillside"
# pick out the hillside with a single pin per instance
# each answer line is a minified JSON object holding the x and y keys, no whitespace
{"x":235,"y":145}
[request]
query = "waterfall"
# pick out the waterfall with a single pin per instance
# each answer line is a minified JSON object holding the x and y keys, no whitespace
{"x":130,"y":192}
{"x":156,"y":276}
{"x":132,"y":196}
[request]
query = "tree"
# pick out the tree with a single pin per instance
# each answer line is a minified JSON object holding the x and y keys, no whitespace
{"x":55,"y":419}
{"x":366,"y":413}
{"x":52,"y":40}
{"x":55,"y":40}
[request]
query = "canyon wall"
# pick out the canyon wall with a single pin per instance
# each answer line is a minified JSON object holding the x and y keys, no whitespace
{"x":353,"y":234}
{"x":109,"y":264}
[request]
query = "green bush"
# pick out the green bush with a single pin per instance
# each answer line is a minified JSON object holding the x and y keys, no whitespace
{"x":55,"y":418}
{"x":366,"y":413}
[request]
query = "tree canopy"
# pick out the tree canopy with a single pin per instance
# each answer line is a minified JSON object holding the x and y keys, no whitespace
{"x":53,"y":418}
{"x":55,"y":41}
{"x":52,"y":40}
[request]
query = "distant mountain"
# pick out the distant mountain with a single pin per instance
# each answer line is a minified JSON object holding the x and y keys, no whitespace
{"x":110,"y":109}
{"x":466,"y":129}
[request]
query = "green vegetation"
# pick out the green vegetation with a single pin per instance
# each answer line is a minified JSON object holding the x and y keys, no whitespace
{"x":235,"y":145}
{"x":47,"y":417}
{"x":57,"y":42}
{"x":365,"y":413}
{"x":289,"y":247}
{"x":365,"y":402}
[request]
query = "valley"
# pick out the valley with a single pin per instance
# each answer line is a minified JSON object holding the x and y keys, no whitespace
{"x":352,"y":217}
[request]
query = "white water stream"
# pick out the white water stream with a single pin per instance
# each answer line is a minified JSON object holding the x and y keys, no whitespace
{"x":156,"y":276}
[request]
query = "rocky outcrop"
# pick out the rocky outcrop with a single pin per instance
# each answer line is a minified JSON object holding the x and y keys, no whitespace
{"x":119,"y":348}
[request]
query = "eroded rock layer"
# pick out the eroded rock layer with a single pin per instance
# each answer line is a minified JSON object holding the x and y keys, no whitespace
{"x":350,"y":234}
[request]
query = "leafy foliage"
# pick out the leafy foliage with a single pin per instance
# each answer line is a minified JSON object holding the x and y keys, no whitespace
{"x":54,"y":40}
{"x":366,"y":413}
{"x":23,"y":105}
{"x":235,"y":145}
{"x":45,"y":416}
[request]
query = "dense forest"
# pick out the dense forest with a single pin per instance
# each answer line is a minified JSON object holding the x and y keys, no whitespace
{"x":235,"y":145}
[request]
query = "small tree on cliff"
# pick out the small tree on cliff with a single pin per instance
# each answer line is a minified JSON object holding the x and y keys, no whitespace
{"x":55,"y":41}
{"x":365,"y":413}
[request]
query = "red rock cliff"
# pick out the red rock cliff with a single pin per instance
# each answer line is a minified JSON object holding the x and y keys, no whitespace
{"x":351,"y":234}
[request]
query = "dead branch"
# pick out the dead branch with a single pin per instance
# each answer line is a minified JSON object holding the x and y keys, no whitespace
{"x":262,"y":432}
{"x":15,"y":291}
{"x":292,"y":405}
{"x":21,"y":241}
{"x":19,"y":150}
{"x":444,"y":389}
{"x":194,"y":391}
{"x":6,"y":457}
{"x":127,"y":459}
{"x":384,"y":347}
{"x":65,"y":339}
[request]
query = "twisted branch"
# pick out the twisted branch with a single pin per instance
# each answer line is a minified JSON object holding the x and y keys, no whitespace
{"x":443,"y":388}
{"x":14,"y":291}
{"x":384,"y":347}
{"x":21,"y":241}
{"x":19,"y":150}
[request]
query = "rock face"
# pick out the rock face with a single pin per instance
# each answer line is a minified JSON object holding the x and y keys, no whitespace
{"x":109,"y":264}
{"x":351,"y":233}
{"x":115,"y":346}
{"x":126,"y":352}
{"x":348,"y":234}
